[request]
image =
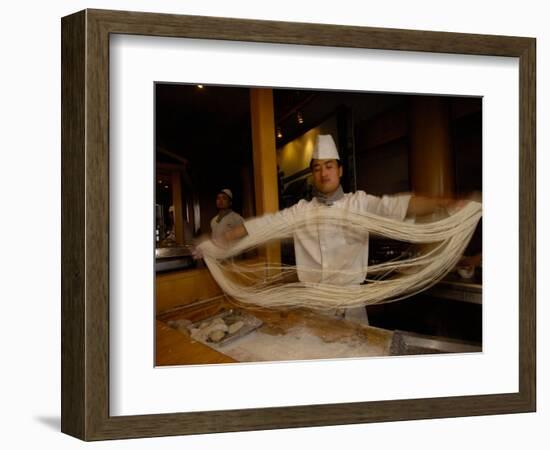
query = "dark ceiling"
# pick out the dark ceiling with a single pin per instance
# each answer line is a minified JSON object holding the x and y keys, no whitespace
{"x":213,"y":123}
{"x":192,"y":122}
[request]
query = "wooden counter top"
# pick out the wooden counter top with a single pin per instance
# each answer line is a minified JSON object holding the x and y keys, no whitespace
{"x":174,"y":348}
{"x":284,"y":330}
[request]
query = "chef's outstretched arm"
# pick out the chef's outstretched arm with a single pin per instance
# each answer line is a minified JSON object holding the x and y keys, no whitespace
{"x":232,"y":234}
{"x":267,"y":221}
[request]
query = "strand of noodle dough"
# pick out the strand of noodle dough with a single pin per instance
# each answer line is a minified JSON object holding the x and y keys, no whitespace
{"x":449,"y":236}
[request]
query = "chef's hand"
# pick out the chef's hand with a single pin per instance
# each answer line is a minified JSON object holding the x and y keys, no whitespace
{"x":196,"y":252}
{"x":205,"y":242}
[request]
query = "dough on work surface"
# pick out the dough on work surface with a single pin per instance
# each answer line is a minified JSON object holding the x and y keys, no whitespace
{"x":233,"y":328}
{"x":216,"y":335}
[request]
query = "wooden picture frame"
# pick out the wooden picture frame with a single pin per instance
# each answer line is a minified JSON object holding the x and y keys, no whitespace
{"x":85,"y":224}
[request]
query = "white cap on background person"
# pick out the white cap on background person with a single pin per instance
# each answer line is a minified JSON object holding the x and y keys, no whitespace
{"x":325,"y":148}
{"x":228,"y":193}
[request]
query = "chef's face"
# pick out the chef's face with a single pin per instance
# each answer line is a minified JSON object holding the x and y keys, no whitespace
{"x":223,"y":201}
{"x":326,"y":175}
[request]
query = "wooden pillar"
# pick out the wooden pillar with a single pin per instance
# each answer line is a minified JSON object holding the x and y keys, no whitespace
{"x":431,"y":157}
{"x":248,"y":192}
{"x":265,"y":160}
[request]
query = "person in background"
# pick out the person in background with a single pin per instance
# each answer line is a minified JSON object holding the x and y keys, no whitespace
{"x":226,"y":219}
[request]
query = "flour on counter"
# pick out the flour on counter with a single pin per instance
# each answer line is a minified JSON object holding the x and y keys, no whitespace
{"x":297,"y":344}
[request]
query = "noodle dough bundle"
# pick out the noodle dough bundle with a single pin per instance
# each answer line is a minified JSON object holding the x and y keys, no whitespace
{"x":266,"y":285}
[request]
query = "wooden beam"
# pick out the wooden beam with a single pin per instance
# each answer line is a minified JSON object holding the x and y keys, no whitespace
{"x":264,"y":151}
{"x":431,"y":157}
{"x":265,"y":160}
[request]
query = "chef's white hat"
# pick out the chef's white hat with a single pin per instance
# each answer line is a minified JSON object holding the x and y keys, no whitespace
{"x":325,"y":148}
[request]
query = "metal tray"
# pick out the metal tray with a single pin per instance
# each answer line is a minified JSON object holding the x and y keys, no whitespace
{"x":251,"y":323}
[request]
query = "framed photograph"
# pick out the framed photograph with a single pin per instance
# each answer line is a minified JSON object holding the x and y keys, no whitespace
{"x":176,"y":126}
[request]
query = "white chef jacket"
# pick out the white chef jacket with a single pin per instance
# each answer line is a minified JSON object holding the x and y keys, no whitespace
{"x":332,"y":254}
{"x":228,"y":221}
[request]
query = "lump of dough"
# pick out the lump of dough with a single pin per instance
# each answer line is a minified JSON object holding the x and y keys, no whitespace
{"x":216,"y":327}
{"x":216,"y":335}
{"x":197,"y":334}
{"x":233,"y":328}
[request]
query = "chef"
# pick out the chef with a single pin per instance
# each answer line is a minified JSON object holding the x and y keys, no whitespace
{"x":331,"y":253}
{"x":226,"y":219}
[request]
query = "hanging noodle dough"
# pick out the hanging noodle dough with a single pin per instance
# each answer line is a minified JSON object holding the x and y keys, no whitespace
{"x":448,"y":238}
